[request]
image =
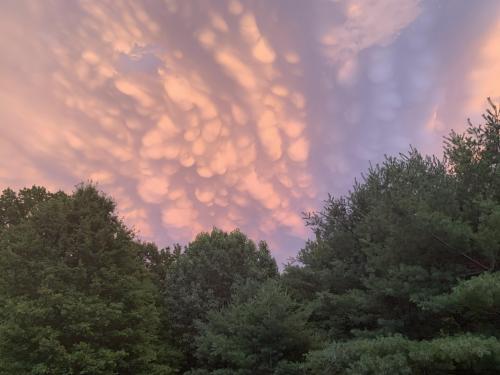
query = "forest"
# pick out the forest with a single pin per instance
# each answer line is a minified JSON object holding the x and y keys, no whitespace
{"x":400,"y":276}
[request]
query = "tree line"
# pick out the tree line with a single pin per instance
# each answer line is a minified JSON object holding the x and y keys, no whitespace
{"x":401,"y":277}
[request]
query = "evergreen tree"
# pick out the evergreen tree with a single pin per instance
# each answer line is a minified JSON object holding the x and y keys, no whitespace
{"x":402,"y":272}
{"x":405,"y":233}
{"x":458,"y":354}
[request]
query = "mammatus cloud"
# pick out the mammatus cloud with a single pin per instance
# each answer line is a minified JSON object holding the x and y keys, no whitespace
{"x":229,"y":113}
{"x":484,"y":75}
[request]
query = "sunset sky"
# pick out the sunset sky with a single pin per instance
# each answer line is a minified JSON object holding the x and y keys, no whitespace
{"x":235,"y":114}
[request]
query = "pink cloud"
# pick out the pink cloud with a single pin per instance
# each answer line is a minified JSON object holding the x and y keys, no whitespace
{"x":193,"y":114}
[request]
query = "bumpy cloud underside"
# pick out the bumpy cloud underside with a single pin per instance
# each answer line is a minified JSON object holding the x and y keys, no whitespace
{"x":233,"y":114}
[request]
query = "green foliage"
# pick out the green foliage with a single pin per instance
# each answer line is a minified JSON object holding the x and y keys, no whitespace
{"x":396,"y":237}
{"x":203,"y":276}
{"x":464,"y":354}
{"x":406,"y":233}
{"x":409,"y":255}
{"x":15,"y":207}
{"x":76,"y":298}
{"x":472,"y":305}
{"x":264,"y":334}
{"x":474,"y":158}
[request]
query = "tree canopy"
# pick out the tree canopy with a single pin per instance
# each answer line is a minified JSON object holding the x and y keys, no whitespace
{"x":407,"y":263}
{"x":264,"y":332}
{"x":75,"y":296}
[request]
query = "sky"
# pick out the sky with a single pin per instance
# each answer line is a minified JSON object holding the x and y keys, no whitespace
{"x":230,"y":113}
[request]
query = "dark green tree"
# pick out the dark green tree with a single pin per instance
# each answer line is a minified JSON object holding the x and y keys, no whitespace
{"x":263,"y":333}
{"x":458,"y":354}
{"x":473,"y":305}
{"x":15,"y":207}
{"x":203,"y":276}
{"x":473,"y":158}
{"x":75,"y":296}
{"x":407,"y":255}
{"x":398,"y":235}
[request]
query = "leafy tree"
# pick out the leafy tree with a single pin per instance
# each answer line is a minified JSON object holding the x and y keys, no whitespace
{"x":264,"y":334}
{"x":203,"y":276}
{"x":75,"y":297}
{"x":156,"y":261}
{"x":385,"y":258}
{"x":15,"y":207}
{"x":474,"y":159}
